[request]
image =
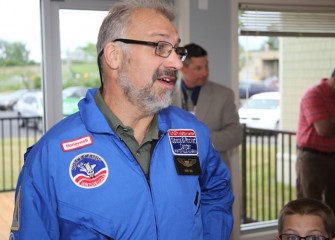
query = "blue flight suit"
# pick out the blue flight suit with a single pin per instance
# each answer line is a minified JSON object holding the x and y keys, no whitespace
{"x":80,"y":181}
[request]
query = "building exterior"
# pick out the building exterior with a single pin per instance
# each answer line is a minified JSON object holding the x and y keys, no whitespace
{"x":303,"y":62}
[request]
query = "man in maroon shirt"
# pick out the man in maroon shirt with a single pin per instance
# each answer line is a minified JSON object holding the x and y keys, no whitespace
{"x":316,"y":143}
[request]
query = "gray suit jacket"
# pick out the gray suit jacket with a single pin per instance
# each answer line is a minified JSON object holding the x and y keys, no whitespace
{"x":216,"y":108}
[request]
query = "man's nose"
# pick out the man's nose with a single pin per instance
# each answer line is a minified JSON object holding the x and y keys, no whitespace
{"x":173,"y":61}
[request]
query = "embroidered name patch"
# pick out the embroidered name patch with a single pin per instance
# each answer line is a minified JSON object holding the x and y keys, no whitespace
{"x":88,"y":170}
{"x":183,"y":142}
{"x":77,"y":143}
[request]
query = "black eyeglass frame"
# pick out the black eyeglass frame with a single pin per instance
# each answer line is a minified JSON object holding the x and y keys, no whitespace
{"x":181,"y":51}
{"x":153,"y":44}
{"x":300,"y":238}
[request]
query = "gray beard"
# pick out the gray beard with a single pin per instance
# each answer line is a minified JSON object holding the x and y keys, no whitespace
{"x":145,"y":99}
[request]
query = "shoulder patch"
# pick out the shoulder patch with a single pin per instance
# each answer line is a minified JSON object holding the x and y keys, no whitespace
{"x":16,"y":216}
{"x":88,"y":170}
{"x":77,"y":143}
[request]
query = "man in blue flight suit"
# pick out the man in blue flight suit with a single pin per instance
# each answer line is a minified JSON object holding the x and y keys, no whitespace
{"x":127,"y":166}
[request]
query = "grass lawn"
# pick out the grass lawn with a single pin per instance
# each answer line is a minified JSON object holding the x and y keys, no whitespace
{"x":11,"y":160}
{"x":266,"y":193}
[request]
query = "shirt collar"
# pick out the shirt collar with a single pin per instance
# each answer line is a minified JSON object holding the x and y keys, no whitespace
{"x":115,"y":123}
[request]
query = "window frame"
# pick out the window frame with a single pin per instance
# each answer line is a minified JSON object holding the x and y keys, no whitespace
{"x":51,"y":52}
{"x":268,"y":229}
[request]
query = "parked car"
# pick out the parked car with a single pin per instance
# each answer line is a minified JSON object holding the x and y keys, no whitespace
{"x":31,"y":103}
{"x":249,"y":88}
{"x":30,"y":106}
{"x":74,"y":92}
{"x":71,"y":97}
{"x":272,"y":82}
{"x":7,"y":101}
{"x":262,"y":110}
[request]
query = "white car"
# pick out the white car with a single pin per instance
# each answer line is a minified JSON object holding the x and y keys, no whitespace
{"x":30,"y":105}
{"x":8,"y":101}
{"x":261,"y":111}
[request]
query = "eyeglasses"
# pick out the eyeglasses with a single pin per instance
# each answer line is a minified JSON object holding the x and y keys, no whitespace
{"x":296,"y":237}
{"x":162,"y":49}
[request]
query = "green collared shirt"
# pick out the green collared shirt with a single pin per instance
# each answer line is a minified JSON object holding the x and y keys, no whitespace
{"x":142,"y":152}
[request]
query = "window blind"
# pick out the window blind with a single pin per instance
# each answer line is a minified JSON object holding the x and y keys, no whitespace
{"x":286,"y":20}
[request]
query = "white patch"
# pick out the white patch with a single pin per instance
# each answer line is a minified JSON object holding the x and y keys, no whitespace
{"x":77,"y":143}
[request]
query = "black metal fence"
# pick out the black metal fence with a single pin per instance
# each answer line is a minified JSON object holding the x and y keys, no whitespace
{"x":268,"y":173}
{"x":16,"y":134}
{"x":267,"y":164}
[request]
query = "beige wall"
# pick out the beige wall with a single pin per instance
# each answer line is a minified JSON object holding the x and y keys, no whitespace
{"x":255,"y":68}
{"x":303,"y":62}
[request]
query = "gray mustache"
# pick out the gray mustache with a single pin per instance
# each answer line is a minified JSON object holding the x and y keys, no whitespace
{"x":166,"y":73}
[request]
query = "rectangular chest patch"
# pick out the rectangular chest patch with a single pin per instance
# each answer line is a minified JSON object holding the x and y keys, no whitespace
{"x":183,"y":142}
{"x":187,"y":165}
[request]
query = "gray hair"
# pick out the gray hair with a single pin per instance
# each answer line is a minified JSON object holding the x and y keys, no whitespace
{"x":117,"y":21}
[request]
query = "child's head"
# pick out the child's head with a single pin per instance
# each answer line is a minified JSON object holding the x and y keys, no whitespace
{"x":306,"y":217}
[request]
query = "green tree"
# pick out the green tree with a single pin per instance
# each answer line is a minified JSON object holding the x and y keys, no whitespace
{"x":272,"y":43}
{"x":90,"y":51}
{"x":13,"y":54}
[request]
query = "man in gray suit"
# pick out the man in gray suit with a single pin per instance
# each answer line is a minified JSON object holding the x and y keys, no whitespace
{"x":212,"y":103}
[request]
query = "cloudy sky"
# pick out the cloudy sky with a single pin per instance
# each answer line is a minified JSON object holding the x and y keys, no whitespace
{"x":20,"y":22}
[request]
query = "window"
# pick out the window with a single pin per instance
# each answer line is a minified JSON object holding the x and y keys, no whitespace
{"x":20,"y":49}
{"x":296,"y":44}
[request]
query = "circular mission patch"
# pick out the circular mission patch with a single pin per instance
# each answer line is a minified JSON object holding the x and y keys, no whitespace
{"x":88,"y":170}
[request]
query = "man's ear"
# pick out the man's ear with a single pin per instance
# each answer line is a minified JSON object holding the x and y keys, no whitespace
{"x":112,"y":55}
